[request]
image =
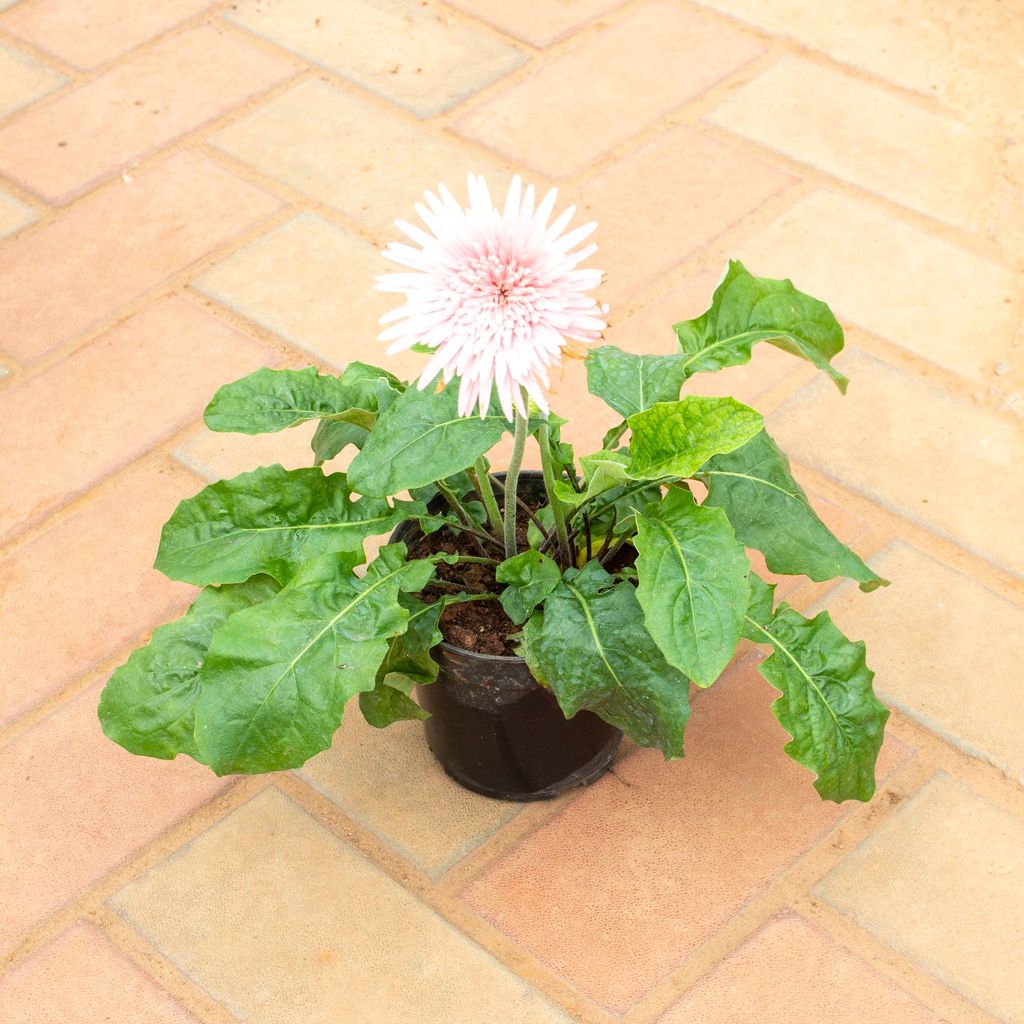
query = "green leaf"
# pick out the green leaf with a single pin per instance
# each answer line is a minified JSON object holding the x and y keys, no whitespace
{"x":407,"y":664}
{"x":270,"y":400}
{"x":762,"y":601}
{"x":419,"y":439}
{"x":769,"y":511}
{"x":604,"y":470}
{"x":693,"y":585}
{"x":270,"y":520}
{"x":372,"y":391}
{"x":277,"y":676}
{"x":366,"y":382}
{"x":631,"y":383}
{"x":590,"y":647}
{"x":148,"y":704}
{"x":546,"y":517}
{"x":674,"y":439}
{"x":613,"y":436}
{"x":384,"y":705}
{"x":458,"y":483}
{"x":827,"y":705}
{"x":334,"y":435}
{"x":747,"y":309}
{"x":528,"y":577}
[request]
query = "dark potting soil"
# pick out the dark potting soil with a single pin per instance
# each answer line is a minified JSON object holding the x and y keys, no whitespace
{"x":480,"y":626}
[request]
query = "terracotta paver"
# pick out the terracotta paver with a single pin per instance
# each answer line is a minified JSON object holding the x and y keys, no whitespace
{"x":91,"y":32}
{"x":607,"y":88}
{"x":97,"y":582}
{"x":698,"y":187}
{"x":824,"y":982}
{"x":933,"y":164}
{"x":14,"y":214}
{"x":413,"y":807}
{"x":218,"y":456}
{"x":329,"y":934}
{"x":433,"y":61}
{"x":537,"y":21}
{"x":311,"y":282}
{"x":956,"y":55}
{"x":962,"y":683}
{"x":131,"y":236}
{"x":908,"y":52}
{"x":193,"y":189}
{"x":639,"y":882}
{"x":342,"y":150}
{"x":935,"y":299}
{"x":96,"y":130}
{"x":75,"y":975}
{"x":112,"y":400}
{"x":943,"y":883}
{"x":926,"y":433}
{"x":23,"y":80}
{"x":108,"y":804}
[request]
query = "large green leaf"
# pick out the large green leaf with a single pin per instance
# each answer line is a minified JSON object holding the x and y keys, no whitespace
{"x":270,"y":400}
{"x":277,"y":676}
{"x":270,"y":520}
{"x":372,"y":390}
{"x":692,"y":584}
{"x":408,"y":663}
{"x":631,"y":383}
{"x":148,"y":704}
{"x":674,"y":439}
{"x":331,"y":436}
{"x":419,"y":439}
{"x":590,"y":647}
{"x":384,"y":705}
{"x":827,"y":705}
{"x":769,"y":511}
{"x":528,"y":577}
{"x":747,"y":309}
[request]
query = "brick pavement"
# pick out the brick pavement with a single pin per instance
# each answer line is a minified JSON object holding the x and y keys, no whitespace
{"x":190,"y":189}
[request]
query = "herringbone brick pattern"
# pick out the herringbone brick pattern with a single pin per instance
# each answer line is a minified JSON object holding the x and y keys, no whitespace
{"x":190,"y":189}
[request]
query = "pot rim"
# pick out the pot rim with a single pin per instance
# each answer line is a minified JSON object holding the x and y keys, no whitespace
{"x":480,"y":654}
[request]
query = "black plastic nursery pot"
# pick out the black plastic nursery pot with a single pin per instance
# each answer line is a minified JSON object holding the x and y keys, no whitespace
{"x":497,"y":731}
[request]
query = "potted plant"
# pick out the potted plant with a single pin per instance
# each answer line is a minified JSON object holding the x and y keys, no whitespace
{"x":530,"y":618}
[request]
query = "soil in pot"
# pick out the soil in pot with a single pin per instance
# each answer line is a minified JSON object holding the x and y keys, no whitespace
{"x":480,"y":626}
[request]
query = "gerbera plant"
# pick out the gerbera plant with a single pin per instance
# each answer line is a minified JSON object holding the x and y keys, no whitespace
{"x":624,"y":584}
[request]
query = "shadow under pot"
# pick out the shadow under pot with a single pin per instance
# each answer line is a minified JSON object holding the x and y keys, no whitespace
{"x":497,"y":731}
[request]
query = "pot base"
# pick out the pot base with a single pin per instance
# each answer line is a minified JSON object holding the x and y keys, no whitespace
{"x":497,"y":733}
{"x":586,"y":775}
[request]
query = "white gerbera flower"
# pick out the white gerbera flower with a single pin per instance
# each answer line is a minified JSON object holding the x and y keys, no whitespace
{"x":495,"y":293}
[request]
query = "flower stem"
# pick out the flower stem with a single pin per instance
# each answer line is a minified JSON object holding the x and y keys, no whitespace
{"x":557,"y":512}
{"x":481,"y":478}
{"x":515,"y":463}
{"x":460,"y":511}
